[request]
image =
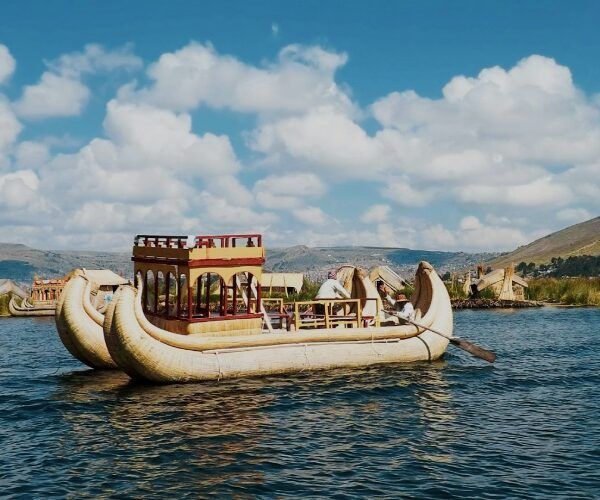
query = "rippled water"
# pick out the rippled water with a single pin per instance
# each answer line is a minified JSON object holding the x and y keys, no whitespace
{"x":529,"y":426}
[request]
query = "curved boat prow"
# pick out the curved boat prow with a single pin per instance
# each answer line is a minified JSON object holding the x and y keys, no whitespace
{"x":79,"y":325}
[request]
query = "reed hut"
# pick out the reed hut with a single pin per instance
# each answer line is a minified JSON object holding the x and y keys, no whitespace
{"x":388,"y":276}
{"x":282,"y":282}
{"x":505,"y":283}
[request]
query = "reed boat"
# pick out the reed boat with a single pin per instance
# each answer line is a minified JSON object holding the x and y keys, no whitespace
{"x":197,"y":314}
{"x":78,"y":320}
{"x":27,"y":308}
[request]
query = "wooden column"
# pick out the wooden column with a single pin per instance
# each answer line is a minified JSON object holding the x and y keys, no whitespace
{"x":156,"y":292}
{"x":190,"y":302}
{"x":207,"y":298}
{"x":234,"y":282}
{"x":178,"y":312}
{"x":167,"y":293}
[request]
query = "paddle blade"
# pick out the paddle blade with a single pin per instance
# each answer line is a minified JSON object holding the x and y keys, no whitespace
{"x":473,"y":349}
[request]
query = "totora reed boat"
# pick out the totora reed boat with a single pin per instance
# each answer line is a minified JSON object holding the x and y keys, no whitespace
{"x":78,"y":320}
{"x":197,"y":314}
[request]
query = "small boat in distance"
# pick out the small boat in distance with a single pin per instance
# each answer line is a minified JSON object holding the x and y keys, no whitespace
{"x":45,"y":294}
{"x":197,"y":314}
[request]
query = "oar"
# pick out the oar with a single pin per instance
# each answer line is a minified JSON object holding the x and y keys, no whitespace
{"x":463,"y":344}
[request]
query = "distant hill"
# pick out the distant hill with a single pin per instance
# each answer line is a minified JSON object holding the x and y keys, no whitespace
{"x":580,"y":239}
{"x":316,"y":261}
{"x":20,"y":262}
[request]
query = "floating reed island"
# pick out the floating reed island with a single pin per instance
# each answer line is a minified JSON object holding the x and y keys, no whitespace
{"x":197,"y":313}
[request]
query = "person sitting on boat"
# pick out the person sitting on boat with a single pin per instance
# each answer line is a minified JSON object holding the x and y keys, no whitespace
{"x":403,"y":307}
{"x":330,"y":289}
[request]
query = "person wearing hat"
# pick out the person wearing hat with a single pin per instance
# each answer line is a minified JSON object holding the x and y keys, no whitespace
{"x":402,"y":305}
{"x":330,"y":289}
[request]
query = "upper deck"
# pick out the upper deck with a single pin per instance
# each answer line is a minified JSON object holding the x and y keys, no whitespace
{"x":224,"y":250}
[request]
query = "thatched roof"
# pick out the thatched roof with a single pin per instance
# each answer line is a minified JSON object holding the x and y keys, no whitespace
{"x":282,"y":280}
{"x":391,"y":278}
{"x":101,"y":277}
{"x":497,"y":275}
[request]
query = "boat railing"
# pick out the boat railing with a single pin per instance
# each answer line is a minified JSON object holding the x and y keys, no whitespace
{"x":306,"y":314}
{"x":205,"y":241}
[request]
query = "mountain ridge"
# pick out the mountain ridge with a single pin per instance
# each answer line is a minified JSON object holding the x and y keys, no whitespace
{"x":578,"y":239}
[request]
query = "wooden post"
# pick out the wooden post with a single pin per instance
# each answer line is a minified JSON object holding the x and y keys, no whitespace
{"x":207,"y":299}
{"x":296,"y":317}
{"x":249,"y":293}
{"x":190,"y":302}
{"x":223,"y":297}
{"x":145,"y":292}
{"x":198,"y":294}
{"x":178,"y":312}
{"x":156,"y":292}
{"x":327,"y":304}
{"x":167,"y":294}
{"x":234,"y":291}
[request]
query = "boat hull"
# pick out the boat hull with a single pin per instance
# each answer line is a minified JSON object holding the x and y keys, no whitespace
{"x":146,"y":352}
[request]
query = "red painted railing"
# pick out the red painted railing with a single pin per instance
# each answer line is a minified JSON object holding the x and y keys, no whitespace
{"x":212,"y":241}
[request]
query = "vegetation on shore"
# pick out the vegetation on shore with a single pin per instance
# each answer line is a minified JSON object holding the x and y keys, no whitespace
{"x":4,"y":300}
{"x":570,"y":291}
{"x":582,"y":265}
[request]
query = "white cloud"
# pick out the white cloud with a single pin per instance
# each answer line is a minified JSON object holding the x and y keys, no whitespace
{"x":302,"y":77}
{"x":375,"y":214}
{"x":574,"y":215}
{"x":60,"y":91}
{"x":400,"y":191}
{"x":53,"y":95}
{"x":7,"y":64}
{"x":18,"y":189}
{"x":287,"y":192}
{"x":31,"y":154}
{"x":9,"y":130}
{"x":472,"y":235}
{"x":311,"y":216}
{"x":321,"y":139}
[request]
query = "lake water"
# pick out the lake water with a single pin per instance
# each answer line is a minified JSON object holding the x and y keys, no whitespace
{"x":527,"y":427}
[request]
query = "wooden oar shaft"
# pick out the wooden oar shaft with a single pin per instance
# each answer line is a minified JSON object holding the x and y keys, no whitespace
{"x":463,"y":344}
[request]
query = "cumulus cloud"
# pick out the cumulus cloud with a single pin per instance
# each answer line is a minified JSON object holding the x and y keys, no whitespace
{"x":302,"y":77}
{"x":376,"y":213}
{"x":61,"y":92}
{"x":10,"y":128}
{"x":287,"y":192}
{"x":493,"y":144}
{"x":7,"y":64}
{"x":574,"y":215}
{"x":311,"y":216}
{"x":473,"y":235}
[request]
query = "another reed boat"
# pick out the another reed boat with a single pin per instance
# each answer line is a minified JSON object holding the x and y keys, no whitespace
{"x":42,"y":301}
{"x":27,"y":308}
{"x":78,"y":320}
{"x":197,"y":314}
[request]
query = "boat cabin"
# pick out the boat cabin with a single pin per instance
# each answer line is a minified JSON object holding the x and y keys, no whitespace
{"x":46,"y":291}
{"x":201,"y":284}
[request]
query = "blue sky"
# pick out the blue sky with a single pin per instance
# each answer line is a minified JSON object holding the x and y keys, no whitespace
{"x":443,"y":125}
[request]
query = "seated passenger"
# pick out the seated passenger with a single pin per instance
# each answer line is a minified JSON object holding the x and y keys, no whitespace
{"x":330,"y":289}
{"x":402,"y":306}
